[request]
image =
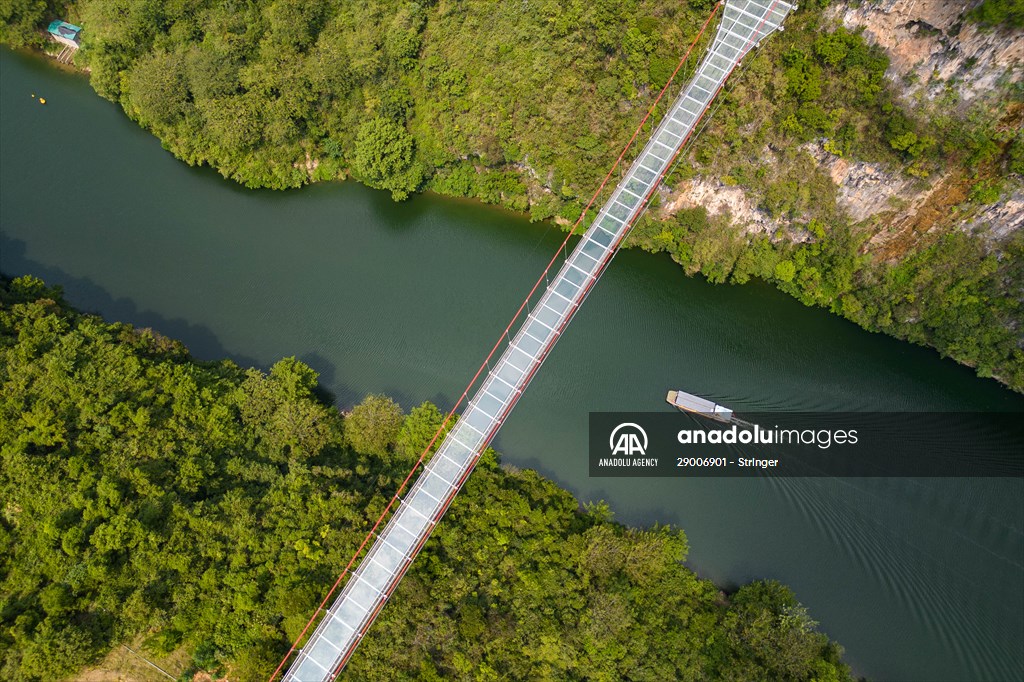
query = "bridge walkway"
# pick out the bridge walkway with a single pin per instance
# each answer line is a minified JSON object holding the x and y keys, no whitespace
{"x":744,"y":24}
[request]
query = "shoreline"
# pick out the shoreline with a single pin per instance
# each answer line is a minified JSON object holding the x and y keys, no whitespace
{"x":561,"y":223}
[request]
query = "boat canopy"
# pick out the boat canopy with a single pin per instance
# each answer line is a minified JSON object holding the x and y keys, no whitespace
{"x":694,"y":403}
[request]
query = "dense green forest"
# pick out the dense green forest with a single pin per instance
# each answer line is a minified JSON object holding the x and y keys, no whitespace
{"x":201,"y":507}
{"x":461,"y":97}
{"x":526,"y":105}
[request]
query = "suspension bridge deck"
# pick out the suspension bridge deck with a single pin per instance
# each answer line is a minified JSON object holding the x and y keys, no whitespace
{"x":744,"y":24}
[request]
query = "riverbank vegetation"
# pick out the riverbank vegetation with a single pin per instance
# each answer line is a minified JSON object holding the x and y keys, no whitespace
{"x":953,"y":295}
{"x":527,"y":104}
{"x":924,"y":281}
{"x":204,"y":509}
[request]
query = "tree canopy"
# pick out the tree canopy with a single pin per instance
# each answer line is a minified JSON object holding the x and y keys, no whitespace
{"x":384,"y":157}
{"x":204,"y":508}
{"x":373,"y":425}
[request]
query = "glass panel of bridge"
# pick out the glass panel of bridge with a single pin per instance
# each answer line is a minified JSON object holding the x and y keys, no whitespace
{"x":721,"y":62}
{"x":362,"y":593}
{"x":628,"y":199}
{"x":499,"y":389}
{"x":588,"y":257}
{"x":583,"y":262}
{"x":643,"y":175}
{"x":377,"y":572}
{"x":758,"y":6}
{"x":715,"y":73}
{"x":708,"y":85}
{"x":735,"y":41}
{"x":470,"y":438}
{"x":321,"y":642}
{"x":335,"y":632}
{"x":548,"y":316}
{"x":479,"y":421}
{"x":619,"y":211}
{"x":566,"y":289}
{"x":537,"y":330}
{"x":325,"y":655}
{"x":574,"y":275}
{"x":556,"y":303}
{"x":749,"y":22}
{"x":519,"y":360}
{"x":736,"y":36}
{"x":489,"y":404}
{"x":436,"y":486}
{"x":350,"y":613}
{"x":390,"y":555}
{"x":399,"y":541}
{"x":462,"y":454}
{"x":445,"y":467}
{"x":727,"y":52}
{"x":737,"y":32}
{"x":675,"y":128}
{"x":594,"y":250}
{"x":529,"y":345}
{"x":332,"y":635}
{"x":610,"y":223}
{"x":714,"y":78}
{"x":659,"y":153}
{"x":307,"y":671}
{"x":410,"y":525}
{"x":510,"y":373}
{"x":731,"y":20}
{"x":653,"y":162}
{"x":698,"y":93}
{"x":638,"y":186}
{"x":421,"y":503}
{"x":668,"y":139}
{"x":650,"y":163}
{"x":601,"y":236}
{"x":685,"y":116}
{"x":399,"y":533}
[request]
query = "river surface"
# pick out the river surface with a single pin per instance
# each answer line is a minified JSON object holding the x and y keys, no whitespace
{"x":920,"y":579}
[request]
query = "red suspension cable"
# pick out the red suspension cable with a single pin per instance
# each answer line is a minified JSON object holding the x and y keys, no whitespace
{"x":485,"y":363}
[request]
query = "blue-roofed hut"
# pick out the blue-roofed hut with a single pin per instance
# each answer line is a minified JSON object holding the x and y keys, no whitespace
{"x":65,"y":33}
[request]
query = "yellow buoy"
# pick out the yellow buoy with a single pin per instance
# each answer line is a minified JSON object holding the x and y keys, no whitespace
{"x":42,"y":101}
{"x":33,"y":95}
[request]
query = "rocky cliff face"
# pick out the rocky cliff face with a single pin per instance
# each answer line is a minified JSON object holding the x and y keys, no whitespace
{"x":719,"y":199}
{"x":996,"y":221}
{"x":931,"y":46}
{"x":865,"y":189}
{"x":932,"y":49}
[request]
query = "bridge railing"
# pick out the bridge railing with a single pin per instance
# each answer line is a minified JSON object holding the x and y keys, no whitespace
{"x":744,"y":24}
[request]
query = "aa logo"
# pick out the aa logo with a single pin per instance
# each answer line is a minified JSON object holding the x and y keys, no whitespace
{"x":628,"y":439}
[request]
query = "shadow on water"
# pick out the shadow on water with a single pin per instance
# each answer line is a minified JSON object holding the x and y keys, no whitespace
{"x":327,"y":374}
{"x":202,"y":343}
{"x":89,"y":297}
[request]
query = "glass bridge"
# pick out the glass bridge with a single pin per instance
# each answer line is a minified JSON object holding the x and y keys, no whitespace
{"x":744,"y":24}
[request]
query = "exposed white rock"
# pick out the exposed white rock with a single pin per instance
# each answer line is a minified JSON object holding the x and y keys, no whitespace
{"x":720,"y":199}
{"x":865,"y":189}
{"x":998,"y":220}
{"x":930,"y":42}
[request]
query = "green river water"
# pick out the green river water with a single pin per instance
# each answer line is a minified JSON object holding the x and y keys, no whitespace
{"x":920,"y":579}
